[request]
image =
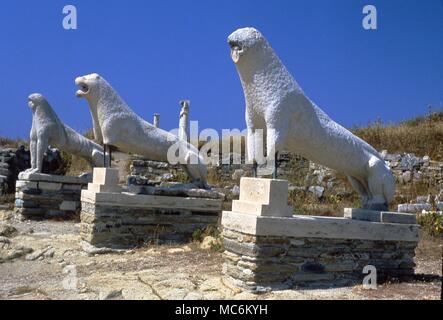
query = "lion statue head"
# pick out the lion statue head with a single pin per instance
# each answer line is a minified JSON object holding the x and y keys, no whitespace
{"x":35,"y":100}
{"x":244,"y":42}
{"x":89,"y":86}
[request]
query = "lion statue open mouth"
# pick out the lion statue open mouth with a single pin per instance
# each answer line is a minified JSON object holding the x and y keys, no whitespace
{"x":276,"y":104}
{"x":116,"y":125}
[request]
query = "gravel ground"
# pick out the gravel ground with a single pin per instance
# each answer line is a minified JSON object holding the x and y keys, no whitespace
{"x":45,"y":260}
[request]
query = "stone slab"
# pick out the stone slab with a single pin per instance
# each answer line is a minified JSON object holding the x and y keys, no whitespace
{"x":73,"y":187}
{"x":30,"y":212}
{"x":52,"y":186}
{"x":264,"y":191}
{"x":26,"y":184}
{"x":69,"y":205}
{"x":146,"y":201}
{"x":184,"y":190}
{"x":414,"y":207}
{"x":52,"y":178}
{"x":379,"y":216}
{"x":104,"y":188}
{"x":319,"y":227}
{"x":105,"y":176}
{"x":261,"y":209}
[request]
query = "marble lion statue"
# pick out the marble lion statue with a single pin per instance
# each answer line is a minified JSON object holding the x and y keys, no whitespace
{"x":277,"y":105}
{"x":48,"y":130}
{"x":117,"y":126}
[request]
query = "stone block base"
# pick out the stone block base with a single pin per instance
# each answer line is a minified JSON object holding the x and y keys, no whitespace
{"x":43,"y":196}
{"x":121,"y":220}
{"x":276,"y":252}
{"x":380,"y":216}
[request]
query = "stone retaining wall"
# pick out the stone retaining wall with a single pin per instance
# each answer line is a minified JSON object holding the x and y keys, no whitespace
{"x":143,"y":172}
{"x":267,"y":247}
{"x":252,"y":262}
{"x":306,"y":176}
{"x":12,"y":161}
{"x":117,"y":220}
{"x":104,"y":226}
{"x":15,"y":160}
{"x":42,"y":196}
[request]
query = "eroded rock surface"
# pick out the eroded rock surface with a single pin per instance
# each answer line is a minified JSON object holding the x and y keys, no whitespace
{"x":63,"y":270}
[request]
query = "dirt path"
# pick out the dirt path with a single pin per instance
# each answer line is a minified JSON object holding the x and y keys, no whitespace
{"x":65,"y":271}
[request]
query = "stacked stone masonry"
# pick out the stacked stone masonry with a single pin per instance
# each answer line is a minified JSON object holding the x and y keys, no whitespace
{"x":15,"y":160}
{"x":114,"y":219}
{"x":266,"y":246}
{"x":12,"y":161}
{"x":42,"y":196}
{"x":252,"y":261}
{"x":318,"y":180}
{"x":143,"y":172}
{"x":112,"y":226}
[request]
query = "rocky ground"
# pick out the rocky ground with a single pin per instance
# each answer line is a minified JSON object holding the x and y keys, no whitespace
{"x":45,"y":260}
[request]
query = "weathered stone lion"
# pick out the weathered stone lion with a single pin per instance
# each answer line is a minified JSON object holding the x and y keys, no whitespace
{"x":48,"y":130}
{"x":276,"y":104}
{"x":116,"y":125}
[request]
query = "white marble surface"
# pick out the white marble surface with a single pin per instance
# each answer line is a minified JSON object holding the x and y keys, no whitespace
{"x":115,"y":124}
{"x":319,"y":227}
{"x":48,"y":130}
{"x":276,"y":104}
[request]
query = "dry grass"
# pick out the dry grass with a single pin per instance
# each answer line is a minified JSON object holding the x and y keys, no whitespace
{"x":76,"y":165}
{"x":409,"y":192}
{"x":421,"y":136}
{"x":8,"y":199}
{"x":214,"y":177}
{"x":430,"y":247}
{"x":12,"y":143}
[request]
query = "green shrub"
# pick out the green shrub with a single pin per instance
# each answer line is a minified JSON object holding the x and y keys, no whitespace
{"x":432,"y":223}
{"x":211,"y":230}
{"x":197,"y":235}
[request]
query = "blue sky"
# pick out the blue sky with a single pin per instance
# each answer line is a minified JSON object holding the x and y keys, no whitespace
{"x":156,"y":53}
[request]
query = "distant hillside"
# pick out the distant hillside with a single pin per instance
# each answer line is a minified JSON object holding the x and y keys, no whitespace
{"x":12,"y":143}
{"x":421,"y":136}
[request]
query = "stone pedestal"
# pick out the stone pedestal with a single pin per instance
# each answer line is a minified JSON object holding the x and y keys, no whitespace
{"x":105,"y":180}
{"x":263,"y":197}
{"x":42,"y":195}
{"x":115,"y":219}
{"x":275,"y":249}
